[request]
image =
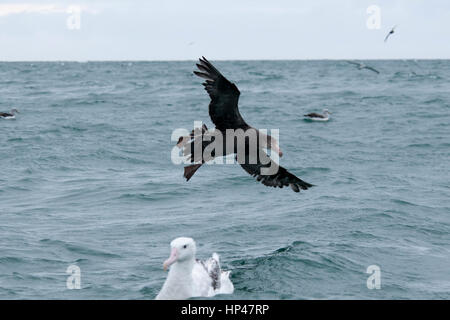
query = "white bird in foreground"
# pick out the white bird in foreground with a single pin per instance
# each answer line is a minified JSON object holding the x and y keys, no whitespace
{"x":189,"y":277}
{"x":318,"y":117}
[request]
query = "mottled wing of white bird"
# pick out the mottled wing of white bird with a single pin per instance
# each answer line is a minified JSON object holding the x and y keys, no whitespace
{"x":226,"y":286}
{"x":201,"y":281}
{"x":212,"y":265}
{"x":209,"y":279}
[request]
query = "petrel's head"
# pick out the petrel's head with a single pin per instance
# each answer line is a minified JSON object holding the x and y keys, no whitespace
{"x":326,"y":112}
{"x":14,"y":111}
{"x":182,"y":249}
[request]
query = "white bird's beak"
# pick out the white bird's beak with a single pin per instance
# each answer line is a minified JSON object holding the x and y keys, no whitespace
{"x":171,"y":259}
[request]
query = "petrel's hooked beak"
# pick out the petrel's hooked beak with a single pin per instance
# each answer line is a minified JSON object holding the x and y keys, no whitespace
{"x":171,"y":259}
{"x":277,"y":149}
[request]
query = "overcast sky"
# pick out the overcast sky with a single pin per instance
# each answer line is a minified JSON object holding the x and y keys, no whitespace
{"x":233,"y":29}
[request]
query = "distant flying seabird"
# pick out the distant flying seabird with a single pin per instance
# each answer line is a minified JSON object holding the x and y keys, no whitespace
{"x":318,"y":117}
{"x":361,"y":66}
{"x":389,"y":34}
{"x":224,"y":113}
{"x":11,"y":115}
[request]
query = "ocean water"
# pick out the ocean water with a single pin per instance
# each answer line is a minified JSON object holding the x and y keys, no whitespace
{"x":87,"y":180}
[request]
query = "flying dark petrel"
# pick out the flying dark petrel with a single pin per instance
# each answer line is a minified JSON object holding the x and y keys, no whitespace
{"x":389,"y":34}
{"x":224,"y":113}
{"x":361,"y":66}
{"x":11,"y":115}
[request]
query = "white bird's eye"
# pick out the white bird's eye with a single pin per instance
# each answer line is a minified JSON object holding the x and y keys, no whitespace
{"x":185,"y":246}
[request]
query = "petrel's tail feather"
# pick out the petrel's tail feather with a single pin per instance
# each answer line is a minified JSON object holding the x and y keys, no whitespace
{"x":190,"y":170}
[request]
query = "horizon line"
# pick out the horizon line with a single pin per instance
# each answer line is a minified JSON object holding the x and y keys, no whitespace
{"x":190,"y":60}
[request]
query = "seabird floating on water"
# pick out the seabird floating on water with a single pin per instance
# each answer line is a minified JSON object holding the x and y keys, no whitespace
{"x":361,"y":66}
{"x":189,"y":277}
{"x":319,"y":117}
{"x":9,"y":115}
{"x":389,"y":34}
{"x":224,"y":113}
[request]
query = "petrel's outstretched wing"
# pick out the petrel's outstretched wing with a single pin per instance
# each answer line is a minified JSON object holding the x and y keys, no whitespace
{"x":223,"y":108}
{"x":281,"y":178}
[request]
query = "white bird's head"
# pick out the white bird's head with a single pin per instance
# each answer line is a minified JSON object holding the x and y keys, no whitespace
{"x":326,"y":112}
{"x":14,"y":111}
{"x":182,"y":249}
